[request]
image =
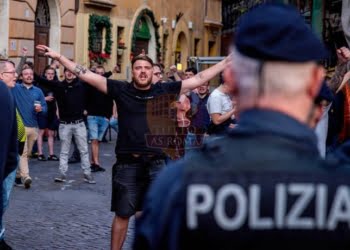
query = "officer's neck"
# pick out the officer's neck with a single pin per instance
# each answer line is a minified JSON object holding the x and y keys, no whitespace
{"x":297,"y":108}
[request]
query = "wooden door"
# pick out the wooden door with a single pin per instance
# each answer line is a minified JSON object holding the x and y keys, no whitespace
{"x":41,"y":37}
{"x":140,"y":44}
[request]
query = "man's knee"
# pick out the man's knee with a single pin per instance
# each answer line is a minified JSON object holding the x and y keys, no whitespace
{"x":120,"y":222}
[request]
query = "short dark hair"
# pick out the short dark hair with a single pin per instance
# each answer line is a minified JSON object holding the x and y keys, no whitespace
{"x":158,"y":65}
{"x":191,"y":69}
{"x":48,"y":67}
{"x":25,"y":67}
{"x":100,"y":67}
{"x":30,"y":64}
{"x":141,"y":57}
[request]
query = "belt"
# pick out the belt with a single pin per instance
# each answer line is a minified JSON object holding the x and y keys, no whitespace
{"x":72,"y":122}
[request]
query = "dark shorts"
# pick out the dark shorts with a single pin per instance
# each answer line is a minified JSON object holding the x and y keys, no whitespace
{"x":50,"y":123}
{"x":130,"y":182}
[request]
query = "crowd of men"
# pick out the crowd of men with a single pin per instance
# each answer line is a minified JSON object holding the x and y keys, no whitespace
{"x":274,"y":165}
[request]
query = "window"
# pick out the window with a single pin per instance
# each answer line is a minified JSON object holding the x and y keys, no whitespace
{"x":97,"y":41}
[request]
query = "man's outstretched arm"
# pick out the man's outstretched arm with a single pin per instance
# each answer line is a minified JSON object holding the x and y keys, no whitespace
{"x":83,"y":73}
{"x":204,"y":76}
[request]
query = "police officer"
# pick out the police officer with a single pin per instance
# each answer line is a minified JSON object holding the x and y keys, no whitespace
{"x":265,"y":185}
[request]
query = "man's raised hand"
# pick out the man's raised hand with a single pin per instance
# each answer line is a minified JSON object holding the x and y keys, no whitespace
{"x":343,"y":54}
{"x":48,"y":51}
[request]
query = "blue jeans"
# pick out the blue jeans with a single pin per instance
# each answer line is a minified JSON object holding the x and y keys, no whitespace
{"x":7,"y":188}
{"x":97,"y":126}
{"x":114,"y":124}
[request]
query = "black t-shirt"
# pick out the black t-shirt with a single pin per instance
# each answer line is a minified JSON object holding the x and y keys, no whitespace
{"x":142,"y":113}
{"x":70,"y":97}
{"x":51,"y":106}
{"x":97,"y":103}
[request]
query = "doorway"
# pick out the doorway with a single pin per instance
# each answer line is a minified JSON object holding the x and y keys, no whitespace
{"x":42,"y":34}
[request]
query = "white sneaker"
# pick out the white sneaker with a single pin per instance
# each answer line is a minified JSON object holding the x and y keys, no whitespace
{"x":61,"y":178}
{"x":89,"y":179}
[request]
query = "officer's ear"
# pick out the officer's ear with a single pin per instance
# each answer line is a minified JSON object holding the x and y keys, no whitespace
{"x":316,"y":80}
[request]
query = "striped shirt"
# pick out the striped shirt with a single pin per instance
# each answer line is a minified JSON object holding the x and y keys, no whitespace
{"x":25,"y":98}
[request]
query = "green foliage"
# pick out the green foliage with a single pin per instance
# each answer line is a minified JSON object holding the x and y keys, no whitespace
{"x":95,"y":23}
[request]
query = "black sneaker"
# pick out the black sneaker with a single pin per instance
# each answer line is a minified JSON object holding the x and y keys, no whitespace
{"x":96,"y":168}
{"x":73,"y":160}
{"x":34,"y":155}
{"x":53,"y":158}
{"x":101,"y":169}
{"x":41,"y":158}
{"x":27,"y":181}
{"x":18,"y":182}
{"x":4,"y":246}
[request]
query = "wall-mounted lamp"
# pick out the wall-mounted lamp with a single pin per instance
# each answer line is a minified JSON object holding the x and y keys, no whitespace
{"x":190,"y":25}
{"x":173,"y":24}
{"x":163,"y":20}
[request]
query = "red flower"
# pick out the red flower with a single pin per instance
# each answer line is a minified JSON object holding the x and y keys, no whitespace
{"x":105,"y":55}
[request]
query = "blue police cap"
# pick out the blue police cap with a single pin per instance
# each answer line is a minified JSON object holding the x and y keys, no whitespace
{"x":277,"y":32}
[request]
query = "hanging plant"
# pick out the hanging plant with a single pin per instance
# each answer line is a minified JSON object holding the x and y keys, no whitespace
{"x":147,"y":12}
{"x":95,"y":24}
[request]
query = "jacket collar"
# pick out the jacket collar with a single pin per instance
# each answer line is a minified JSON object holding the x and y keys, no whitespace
{"x":258,"y":121}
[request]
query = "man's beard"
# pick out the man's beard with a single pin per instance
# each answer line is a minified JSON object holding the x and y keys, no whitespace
{"x":140,"y":85}
{"x":29,"y":82}
{"x":203,"y":94}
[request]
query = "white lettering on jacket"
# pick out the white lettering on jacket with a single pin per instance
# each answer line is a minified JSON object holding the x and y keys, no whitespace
{"x":203,"y":200}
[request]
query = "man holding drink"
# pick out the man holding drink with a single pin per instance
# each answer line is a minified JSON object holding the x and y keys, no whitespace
{"x":30,"y":101}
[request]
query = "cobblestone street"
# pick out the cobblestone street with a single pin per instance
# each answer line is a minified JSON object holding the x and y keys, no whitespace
{"x":73,"y":215}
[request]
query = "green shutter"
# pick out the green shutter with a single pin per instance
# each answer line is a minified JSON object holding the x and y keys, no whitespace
{"x":317,"y":16}
{"x":142,"y":30}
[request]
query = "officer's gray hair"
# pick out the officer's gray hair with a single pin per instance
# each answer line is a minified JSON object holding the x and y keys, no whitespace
{"x":276,"y":78}
{"x":286,"y":78}
{"x":246,"y":72}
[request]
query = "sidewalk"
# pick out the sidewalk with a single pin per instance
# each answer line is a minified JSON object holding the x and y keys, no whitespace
{"x":73,"y":215}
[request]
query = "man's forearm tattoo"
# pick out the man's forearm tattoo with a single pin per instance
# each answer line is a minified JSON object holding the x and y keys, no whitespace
{"x":79,"y":69}
{"x":200,"y":76}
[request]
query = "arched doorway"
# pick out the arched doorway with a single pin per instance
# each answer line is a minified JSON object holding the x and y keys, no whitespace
{"x":181,"y":51}
{"x":42,"y":33}
{"x":145,"y":35}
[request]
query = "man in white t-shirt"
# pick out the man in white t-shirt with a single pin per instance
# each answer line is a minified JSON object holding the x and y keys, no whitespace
{"x":221,"y":109}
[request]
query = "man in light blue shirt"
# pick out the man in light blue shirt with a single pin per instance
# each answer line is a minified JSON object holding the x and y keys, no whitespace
{"x":30,"y":101}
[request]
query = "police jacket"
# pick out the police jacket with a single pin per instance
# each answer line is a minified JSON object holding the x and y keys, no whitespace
{"x":263,"y":186}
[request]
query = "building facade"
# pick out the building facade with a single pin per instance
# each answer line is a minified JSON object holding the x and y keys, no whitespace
{"x":324,"y":16}
{"x":26,"y":23}
{"x":111,"y":31}
{"x":169,"y":32}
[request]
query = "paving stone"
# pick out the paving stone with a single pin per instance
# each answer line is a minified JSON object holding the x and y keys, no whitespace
{"x":73,"y":215}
